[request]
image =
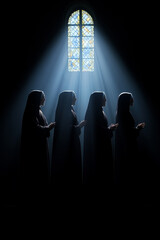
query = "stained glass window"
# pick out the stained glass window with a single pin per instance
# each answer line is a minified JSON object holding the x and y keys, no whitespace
{"x":80,"y":41}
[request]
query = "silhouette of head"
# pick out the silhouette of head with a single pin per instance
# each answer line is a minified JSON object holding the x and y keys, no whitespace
{"x":66,"y":98}
{"x":96,"y":102}
{"x":97,"y":99}
{"x":65,"y":101}
{"x":125,"y":100}
{"x":35,"y":99}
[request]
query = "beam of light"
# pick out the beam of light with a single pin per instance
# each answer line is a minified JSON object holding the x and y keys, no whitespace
{"x":52,"y":76}
{"x":110,"y":75}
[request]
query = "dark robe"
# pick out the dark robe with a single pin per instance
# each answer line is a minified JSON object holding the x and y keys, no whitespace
{"x":34,"y":150}
{"x":66,"y":154}
{"x":98,"y":160}
{"x":126,"y":148}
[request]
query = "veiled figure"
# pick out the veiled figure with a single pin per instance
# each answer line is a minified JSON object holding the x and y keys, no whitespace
{"x":98,"y":158}
{"x":34,"y":144}
{"x":126,"y":148}
{"x":66,"y":153}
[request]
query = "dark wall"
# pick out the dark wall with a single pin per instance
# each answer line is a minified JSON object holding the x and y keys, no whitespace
{"x":28,"y":28}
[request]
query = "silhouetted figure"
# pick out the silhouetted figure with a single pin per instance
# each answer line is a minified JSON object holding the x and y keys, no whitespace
{"x":98,"y":159}
{"x":34,"y":145}
{"x":126,"y":151}
{"x":66,"y":155}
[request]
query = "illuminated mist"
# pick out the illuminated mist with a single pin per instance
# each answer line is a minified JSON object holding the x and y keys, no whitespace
{"x":52,"y":76}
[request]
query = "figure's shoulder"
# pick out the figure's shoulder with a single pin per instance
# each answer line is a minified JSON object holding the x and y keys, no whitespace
{"x":73,"y":112}
{"x":40,"y":112}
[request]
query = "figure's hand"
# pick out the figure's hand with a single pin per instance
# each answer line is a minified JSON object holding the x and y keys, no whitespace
{"x":82,"y":123}
{"x":51,"y":125}
{"x":113,"y":126}
{"x":141,"y":125}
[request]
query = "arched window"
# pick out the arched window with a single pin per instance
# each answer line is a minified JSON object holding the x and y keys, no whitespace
{"x":80,"y":42}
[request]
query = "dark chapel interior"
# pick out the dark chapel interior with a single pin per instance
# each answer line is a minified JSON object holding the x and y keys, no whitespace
{"x":29,"y":29}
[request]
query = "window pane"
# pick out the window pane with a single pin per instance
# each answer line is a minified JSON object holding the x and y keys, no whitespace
{"x":73,"y":42}
{"x":88,"y":65}
{"x":73,"y":53}
{"x":86,"y":18}
{"x":87,"y":30}
{"x":87,"y":42}
{"x":74,"y":18}
{"x":73,"y":65}
{"x":73,"y":31}
{"x":88,"y":53}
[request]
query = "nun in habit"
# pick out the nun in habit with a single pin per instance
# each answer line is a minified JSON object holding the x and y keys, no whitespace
{"x":66,"y":153}
{"x":34,"y":144}
{"x":126,"y":148}
{"x":98,"y":159}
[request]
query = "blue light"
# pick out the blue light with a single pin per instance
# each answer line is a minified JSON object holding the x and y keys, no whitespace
{"x":110,"y":75}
